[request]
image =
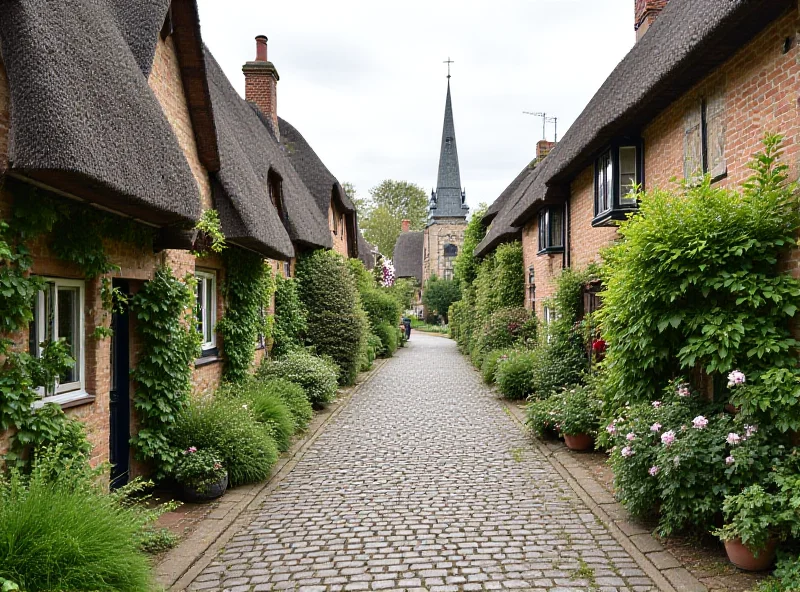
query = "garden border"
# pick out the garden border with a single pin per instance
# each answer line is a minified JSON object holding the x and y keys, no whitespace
{"x":192,"y":555}
{"x":656,"y":561}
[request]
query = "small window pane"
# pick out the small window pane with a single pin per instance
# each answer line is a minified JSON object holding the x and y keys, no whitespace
{"x":209,"y":311}
{"x":627,"y":174}
{"x":200,"y":305}
{"x":543,"y":230}
{"x":556,"y":227}
{"x":68,"y":315}
{"x":602,"y":184}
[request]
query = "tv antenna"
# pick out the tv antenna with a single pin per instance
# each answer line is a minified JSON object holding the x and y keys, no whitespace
{"x":545,"y":121}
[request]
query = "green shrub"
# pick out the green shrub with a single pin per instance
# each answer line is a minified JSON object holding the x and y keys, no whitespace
{"x":509,"y":275}
{"x":696,"y":283}
{"x":380,"y":307}
{"x":559,"y":362}
{"x":292,"y":395}
{"x":315,"y":375}
{"x":581,"y":411}
{"x":543,"y":416}
{"x":515,"y":375}
{"x":336,"y":327}
{"x":388,"y":336}
{"x":508,"y":327}
{"x":490,"y":363}
{"x":224,"y":424}
{"x":65,"y":533}
{"x":290,"y":317}
{"x":438,"y":295}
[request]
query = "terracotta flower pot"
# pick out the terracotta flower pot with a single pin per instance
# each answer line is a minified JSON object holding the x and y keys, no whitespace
{"x":743,"y":558}
{"x":205,"y":493}
{"x":579,"y":441}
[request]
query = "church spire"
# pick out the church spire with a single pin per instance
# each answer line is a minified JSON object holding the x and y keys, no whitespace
{"x":448,"y":201}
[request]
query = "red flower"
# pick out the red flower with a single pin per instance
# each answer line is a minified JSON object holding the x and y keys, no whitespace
{"x":599,"y":346}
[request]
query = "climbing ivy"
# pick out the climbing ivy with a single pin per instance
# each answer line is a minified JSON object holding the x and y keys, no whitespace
{"x":291,"y":318}
{"x":247,"y":290}
{"x":213,"y":238}
{"x":163,"y":375}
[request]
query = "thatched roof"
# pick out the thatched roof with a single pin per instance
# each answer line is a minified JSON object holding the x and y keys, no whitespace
{"x":687,"y":41}
{"x":323,"y":186}
{"x":83,"y":118}
{"x":366,"y":252}
{"x":408,"y":255}
{"x":248,"y":152}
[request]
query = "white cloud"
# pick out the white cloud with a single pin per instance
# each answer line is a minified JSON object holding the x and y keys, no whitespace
{"x":365,"y":84}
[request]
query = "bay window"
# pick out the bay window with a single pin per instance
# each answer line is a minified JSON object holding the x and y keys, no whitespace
{"x":617,"y":173}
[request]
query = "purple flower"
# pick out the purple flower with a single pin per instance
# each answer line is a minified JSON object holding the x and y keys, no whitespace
{"x":653,"y":471}
{"x":736,"y":378}
{"x":667,"y":438}
{"x":656,"y":404}
{"x":699,"y":422}
{"x":627,"y":451}
{"x":730,"y":460}
{"x":191,"y":450}
{"x":630,"y":437}
{"x":656,"y":427}
{"x":612,"y":428}
{"x":683,"y":390}
{"x":733,"y":439}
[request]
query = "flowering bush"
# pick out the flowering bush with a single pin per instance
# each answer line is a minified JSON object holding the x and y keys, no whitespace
{"x":506,"y":328}
{"x":199,"y":469}
{"x":544,"y":416}
{"x":386,"y":273}
{"x":580,"y":413}
{"x":491,"y":362}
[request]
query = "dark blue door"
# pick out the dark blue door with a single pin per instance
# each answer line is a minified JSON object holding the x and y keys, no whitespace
{"x":120,"y":408}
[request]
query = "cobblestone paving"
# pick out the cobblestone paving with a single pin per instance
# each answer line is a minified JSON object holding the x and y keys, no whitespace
{"x":423,"y":483}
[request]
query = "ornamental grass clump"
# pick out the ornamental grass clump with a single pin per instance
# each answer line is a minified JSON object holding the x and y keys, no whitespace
{"x":293,"y":396}
{"x":317,"y":376}
{"x":60,"y":531}
{"x":228,"y":426}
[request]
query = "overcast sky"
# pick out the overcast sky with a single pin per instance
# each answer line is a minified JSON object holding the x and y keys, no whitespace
{"x":364,"y":81}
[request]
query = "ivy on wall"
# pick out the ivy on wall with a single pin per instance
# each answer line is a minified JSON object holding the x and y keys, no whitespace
{"x":247,"y":291}
{"x":162,"y":309}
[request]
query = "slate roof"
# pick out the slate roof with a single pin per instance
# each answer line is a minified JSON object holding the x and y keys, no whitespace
{"x":83,"y":118}
{"x":447,"y":201}
{"x":317,"y":178}
{"x":408,"y":255}
{"x":687,"y":41}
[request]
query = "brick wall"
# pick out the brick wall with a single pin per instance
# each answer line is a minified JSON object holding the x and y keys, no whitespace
{"x":165,"y":81}
{"x":585,"y":241}
{"x":546,"y":267}
{"x":336,"y":219}
{"x":761,"y":94}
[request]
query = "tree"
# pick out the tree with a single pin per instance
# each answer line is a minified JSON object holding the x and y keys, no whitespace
{"x":439,"y":295}
{"x":466,"y":263}
{"x":391,"y":202}
{"x":361,"y":203}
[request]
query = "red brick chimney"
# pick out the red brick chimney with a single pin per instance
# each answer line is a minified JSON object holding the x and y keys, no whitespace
{"x":646,"y":12}
{"x":261,"y":83}
{"x":406,"y":225}
{"x":543,"y":148}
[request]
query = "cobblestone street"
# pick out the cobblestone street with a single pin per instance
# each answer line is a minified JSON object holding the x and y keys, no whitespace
{"x":423,"y":482}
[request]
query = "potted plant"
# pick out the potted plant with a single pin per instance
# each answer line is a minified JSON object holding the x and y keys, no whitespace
{"x":754,"y":522}
{"x":201,"y":475}
{"x":580,"y":417}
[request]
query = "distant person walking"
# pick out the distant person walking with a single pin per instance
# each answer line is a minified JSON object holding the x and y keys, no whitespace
{"x":407,"y":325}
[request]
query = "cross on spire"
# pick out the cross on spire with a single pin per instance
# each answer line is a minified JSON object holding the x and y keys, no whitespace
{"x":448,"y":61}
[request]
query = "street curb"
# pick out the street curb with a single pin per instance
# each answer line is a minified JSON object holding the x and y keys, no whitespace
{"x":185,"y":562}
{"x":670,"y":579}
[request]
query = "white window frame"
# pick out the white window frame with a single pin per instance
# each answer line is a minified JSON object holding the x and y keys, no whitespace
{"x":71,"y":390}
{"x":208,"y":317}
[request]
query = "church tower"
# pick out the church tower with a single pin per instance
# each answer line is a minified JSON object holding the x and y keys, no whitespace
{"x":447,"y":210}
